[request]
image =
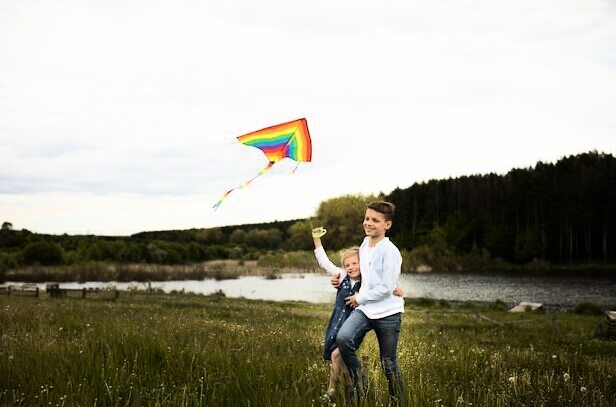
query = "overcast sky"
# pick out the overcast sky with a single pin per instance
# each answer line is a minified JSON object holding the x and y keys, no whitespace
{"x":121,"y":116}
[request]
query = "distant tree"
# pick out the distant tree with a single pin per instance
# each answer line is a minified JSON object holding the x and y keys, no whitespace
{"x":5,"y":264}
{"x":343,"y":217}
{"x":95,"y":252}
{"x":211,"y":236}
{"x":103,"y":250}
{"x":216,"y":252}
{"x":7,"y":226}
{"x":462,"y":233}
{"x":195,"y":253}
{"x":300,"y":237}
{"x":263,"y":238}
{"x":238,"y":236}
{"x":528,"y":247}
{"x":43,"y":252}
{"x":499,"y":241}
{"x":131,"y":253}
{"x":175,"y":253}
{"x":155,"y":253}
{"x":13,"y":239}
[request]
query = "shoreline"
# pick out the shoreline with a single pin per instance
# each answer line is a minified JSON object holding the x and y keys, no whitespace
{"x":425,"y":304}
{"x":233,"y":269}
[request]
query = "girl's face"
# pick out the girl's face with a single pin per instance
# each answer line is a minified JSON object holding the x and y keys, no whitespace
{"x":351,"y":266}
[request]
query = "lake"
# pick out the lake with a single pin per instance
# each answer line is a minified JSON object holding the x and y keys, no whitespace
{"x":554,"y":291}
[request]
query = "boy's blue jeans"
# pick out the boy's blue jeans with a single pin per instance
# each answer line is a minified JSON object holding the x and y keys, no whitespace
{"x":387,"y":332}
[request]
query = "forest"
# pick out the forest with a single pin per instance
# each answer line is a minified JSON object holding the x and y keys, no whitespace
{"x":562,"y":213}
{"x":550,"y":216}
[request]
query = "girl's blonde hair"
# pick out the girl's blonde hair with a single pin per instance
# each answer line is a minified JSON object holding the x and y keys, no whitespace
{"x":351,"y":251}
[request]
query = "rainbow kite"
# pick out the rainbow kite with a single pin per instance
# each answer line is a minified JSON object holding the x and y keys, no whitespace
{"x":290,"y":139}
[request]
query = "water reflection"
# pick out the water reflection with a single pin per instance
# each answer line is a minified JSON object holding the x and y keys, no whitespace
{"x":513,"y":288}
{"x":567,"y":291}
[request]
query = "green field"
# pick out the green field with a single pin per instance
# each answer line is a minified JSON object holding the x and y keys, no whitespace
{"x":191,"y":350}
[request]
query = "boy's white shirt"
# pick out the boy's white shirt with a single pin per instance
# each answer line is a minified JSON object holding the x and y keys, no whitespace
{"x":380,"y":269}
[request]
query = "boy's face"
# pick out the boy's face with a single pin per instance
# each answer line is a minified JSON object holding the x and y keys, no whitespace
{"x":375,"y":224}
{"x":351,"y":266}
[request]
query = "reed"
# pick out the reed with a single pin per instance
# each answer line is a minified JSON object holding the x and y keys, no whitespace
{"x":208,"y":351}
{"x":101,"y":271}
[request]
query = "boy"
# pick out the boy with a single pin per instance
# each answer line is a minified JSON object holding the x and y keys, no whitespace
{"x":348,"y":286}
{"x":375,"y":306}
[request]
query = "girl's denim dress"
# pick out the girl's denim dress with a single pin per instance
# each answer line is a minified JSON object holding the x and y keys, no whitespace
{"x":340,"y":313}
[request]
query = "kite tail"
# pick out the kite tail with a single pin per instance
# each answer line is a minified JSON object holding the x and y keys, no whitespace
{"x":244,"y":185}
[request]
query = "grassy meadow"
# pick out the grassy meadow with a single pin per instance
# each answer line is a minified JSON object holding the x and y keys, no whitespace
{"x":207,"y":351}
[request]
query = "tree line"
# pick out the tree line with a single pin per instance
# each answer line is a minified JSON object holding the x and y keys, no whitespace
{"x":555,"y":214}
{"x":563,"y":213}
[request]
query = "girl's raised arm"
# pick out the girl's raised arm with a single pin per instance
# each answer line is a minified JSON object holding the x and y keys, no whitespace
{"x":319,"y":252}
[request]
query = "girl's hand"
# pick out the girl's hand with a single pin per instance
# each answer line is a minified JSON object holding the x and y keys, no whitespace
{"x":319,"y":232}
{"x":399,"y":292}
{"x":335,"y":281}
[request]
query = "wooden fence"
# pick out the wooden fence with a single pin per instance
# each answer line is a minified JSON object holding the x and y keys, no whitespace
{"x":20,"y":290}
{"x":54,"y":291}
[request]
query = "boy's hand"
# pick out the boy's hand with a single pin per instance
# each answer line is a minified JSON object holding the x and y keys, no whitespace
{"x":351,"y":301}
{"x":318,"y":232}
{"x":399,"y":292}
{"x":335,"y":280}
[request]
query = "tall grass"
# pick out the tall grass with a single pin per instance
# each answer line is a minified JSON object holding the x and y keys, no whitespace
{"x":205,"y":351}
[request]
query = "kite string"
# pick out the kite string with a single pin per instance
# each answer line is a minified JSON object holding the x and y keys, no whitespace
{"x":295,"y":169}
{"x":244,"y":185}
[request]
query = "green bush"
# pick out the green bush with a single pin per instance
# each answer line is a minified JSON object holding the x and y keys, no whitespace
{"x":444,"y":303}
{"x":423,"y":302}
{"x":296,"y":259}
{"x":44,"y":253}
{"x":7,"y":262}
{"x":588,"y":308}
{"x":500,"y":306}
{"x":437,"y":258}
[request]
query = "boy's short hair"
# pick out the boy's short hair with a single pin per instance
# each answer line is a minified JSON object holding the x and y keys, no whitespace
{"x":351,"y":251}
{"x":386,"y":208}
